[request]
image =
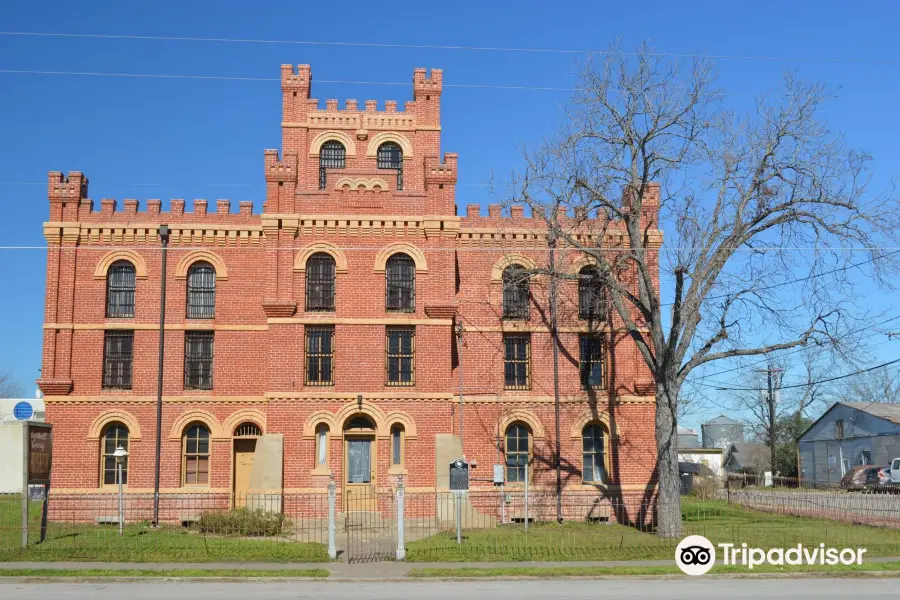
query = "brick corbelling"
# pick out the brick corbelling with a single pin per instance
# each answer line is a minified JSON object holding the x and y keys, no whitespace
{"x":55,"y":387}
{"x":279,"y":309}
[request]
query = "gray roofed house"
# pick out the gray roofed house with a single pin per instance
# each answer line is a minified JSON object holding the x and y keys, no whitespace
{"x":747,"y":457}
{"x":849,"y":434}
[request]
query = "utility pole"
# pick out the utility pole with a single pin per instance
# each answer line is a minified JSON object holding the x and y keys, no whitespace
{"x":554,"y":334}
{"x":773,"y":385}
{"x":164,"y":237}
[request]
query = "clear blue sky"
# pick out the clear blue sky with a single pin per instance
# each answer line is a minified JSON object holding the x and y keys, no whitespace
{"x":181,"y":138}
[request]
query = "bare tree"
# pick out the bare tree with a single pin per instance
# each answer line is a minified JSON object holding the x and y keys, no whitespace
{"x":761,"y":214}
{"x":7,"y":388}
{"x":880,"y":385}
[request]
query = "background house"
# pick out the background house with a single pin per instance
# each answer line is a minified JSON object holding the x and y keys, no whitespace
{"x":747,"y":457}
{"x":847,"y":435}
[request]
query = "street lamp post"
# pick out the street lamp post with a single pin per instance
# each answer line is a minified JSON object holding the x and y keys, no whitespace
{"x":121,"y":455}
{"x":164,"y":238}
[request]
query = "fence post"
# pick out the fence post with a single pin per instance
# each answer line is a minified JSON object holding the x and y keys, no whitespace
{"x":526,"y":496}
{"x":401,"y":515}
{"x":332,"y":493}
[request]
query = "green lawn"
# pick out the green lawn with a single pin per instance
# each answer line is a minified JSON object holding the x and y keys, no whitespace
{"x":718,"y":521}
{"x":140,"y":543}
{"x":883,"y":568}
{"x":188,"y":573}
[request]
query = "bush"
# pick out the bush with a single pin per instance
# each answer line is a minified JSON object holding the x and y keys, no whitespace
{"x":706,"y":487}
{"x":242,"y":522}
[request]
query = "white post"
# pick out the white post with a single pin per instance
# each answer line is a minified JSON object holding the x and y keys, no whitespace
{"x":25,"y":448}
{"x":401,"y":515}
{"x":458,"y":496}
{"x":332,"y":493}
{"x":121,"y":499}
{"x":526,"y":496}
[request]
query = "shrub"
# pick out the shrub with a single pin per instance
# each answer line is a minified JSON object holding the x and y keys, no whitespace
{"x":706,"y":487}
{"x":242,"y":522}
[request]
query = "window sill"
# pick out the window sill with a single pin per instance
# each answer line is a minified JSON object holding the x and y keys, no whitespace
{"x":398,"y":470}
{"x":321,"y":470}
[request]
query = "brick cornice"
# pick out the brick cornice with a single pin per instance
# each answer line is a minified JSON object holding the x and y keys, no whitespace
{"x":279,"y":308}
{"x":55,"y":387}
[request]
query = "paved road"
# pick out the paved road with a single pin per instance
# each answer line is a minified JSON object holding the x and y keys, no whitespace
{"x":733,"y":589}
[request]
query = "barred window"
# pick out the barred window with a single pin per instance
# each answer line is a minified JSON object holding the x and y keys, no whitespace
{"x":196,"y":455}
{"x":401,"y":355}
{"x":518,"y":452}
{"x":201,"y":291}
{"x":198,"y":360}
{"x":517,"y":362}
{"x":332,"y":155}
{"x":400,"y":275}
{"x":593,"y":454}
{"x":516,"y":290}
{"x":320,"y":356}
{"x":115,"y":435}
{"x":591,"y":295}
{"x":592,"y":350}
{"x":320,"y":282}
{"x":120,"y":289}
{"x":390,"y":156}
{"x":321,"y":444}
{"x":118,"y":352}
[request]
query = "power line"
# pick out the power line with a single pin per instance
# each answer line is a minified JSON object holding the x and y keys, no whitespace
{"x":472,"y":48}
{"x":474,"y":86}
{"x":817,"y":382}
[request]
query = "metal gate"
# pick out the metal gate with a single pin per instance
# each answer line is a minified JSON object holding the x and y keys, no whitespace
{"x":370,"y":524}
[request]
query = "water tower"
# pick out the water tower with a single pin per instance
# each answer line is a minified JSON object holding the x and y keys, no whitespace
{"x":721,"y":432}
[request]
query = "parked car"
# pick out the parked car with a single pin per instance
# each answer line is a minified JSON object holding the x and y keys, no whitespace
{"x":861,"y":479}
{"x":884,"y":475}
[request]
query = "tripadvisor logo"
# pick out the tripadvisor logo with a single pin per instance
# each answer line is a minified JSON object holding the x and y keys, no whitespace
{"x":696,"y":555}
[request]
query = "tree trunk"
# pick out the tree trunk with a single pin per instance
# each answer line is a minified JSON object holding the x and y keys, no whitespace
{"x":669,"y":489}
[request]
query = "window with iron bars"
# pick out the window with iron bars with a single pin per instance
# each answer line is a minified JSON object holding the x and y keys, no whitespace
{"x":400,"y":276}
{"x":517,"y":362}
{"x":390,"y":156}
{"x":591,"y":295}
{"x":120,"y":290}
{"x":592,"y":354}
{"x":332,"y":155}
{"x":198,"y":360}
{"x":401,"y":356}
{"x":516,"y":291}
{"x":320,"y":282}
{"x":118,"y":352}
{"x":201,"y":291}
{"x":320,"y":356}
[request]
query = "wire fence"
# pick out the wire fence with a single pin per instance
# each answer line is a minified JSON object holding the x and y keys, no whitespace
{"x":494,"y":524}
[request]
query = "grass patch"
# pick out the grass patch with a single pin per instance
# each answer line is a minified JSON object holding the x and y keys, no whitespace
{"x":716,"y":520}
{"x":548,"y":572}
{"x":192,"y":573}
{"x":140,"y":542}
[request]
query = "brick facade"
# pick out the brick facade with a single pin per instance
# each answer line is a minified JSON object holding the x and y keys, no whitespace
{"x":360,"y":218}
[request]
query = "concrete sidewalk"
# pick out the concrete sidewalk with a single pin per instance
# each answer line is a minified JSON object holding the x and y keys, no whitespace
{"x":338,"y":570}
{"x":341,"y":570}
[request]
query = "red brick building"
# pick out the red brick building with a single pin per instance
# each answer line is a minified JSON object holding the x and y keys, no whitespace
{"x":319,"y":338}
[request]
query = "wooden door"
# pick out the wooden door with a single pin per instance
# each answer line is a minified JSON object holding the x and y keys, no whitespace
{"x":359,"y":473}
{"x":244,"y":453}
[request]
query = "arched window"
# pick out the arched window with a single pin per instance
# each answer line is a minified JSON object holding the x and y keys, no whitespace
{"x":591,"y":295}
{"x":321,"y":444}
{"x":400,"y":275}
{"x":115,"y":435}
{"x":195,"y":466}
{"x":390,"y":156}
{"x":593,"y":448}
{"x":398,"y":439}
{"x":518,"y":452}
{"x":201,"y":291}
{"x":120,"y":289}
{"x":332,"y":155}
{"x":247,"y":429}
{"x":516,"y":290}
{"x":320,"y":282}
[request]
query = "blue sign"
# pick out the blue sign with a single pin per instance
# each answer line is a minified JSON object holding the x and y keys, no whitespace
{"x":23,"y":411}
